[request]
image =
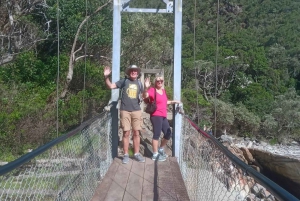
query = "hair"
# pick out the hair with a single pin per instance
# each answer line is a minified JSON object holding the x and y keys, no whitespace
{"x":157,"y":78}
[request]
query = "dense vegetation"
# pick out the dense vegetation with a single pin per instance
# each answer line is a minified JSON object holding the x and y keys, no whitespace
{"x":252,"y":77}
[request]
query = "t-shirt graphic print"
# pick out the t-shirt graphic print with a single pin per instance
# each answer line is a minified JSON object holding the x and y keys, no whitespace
{"x":132,"y":91}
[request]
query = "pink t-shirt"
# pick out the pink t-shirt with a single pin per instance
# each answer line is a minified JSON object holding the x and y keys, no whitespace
{"x":161,"y":102}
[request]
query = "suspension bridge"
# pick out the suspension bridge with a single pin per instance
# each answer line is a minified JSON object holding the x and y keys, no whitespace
{"x":84,"y":164}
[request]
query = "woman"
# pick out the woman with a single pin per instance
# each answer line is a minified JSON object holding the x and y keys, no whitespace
{"x":159,"y":117}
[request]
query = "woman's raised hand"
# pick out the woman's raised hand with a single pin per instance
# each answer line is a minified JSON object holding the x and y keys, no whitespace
{"x":147,"y":82}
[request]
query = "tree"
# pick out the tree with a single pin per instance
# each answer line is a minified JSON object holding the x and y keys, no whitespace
{"x":73,"y":57}
{"x":20,"y":31}
{"x":245,"y":122}
{"x":255,"y":98}
{"x":224,"y":115}
{"x":283,"y":121}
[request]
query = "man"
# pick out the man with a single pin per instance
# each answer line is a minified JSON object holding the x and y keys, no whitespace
{"x":130,"y":110}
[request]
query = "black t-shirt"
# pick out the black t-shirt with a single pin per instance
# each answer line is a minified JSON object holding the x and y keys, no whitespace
{"x":130,"y":94}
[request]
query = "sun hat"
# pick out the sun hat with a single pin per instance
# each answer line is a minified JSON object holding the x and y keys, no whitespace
{"x":132,"y":67}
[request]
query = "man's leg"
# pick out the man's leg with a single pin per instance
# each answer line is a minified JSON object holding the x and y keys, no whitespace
{"x":136,"y":119}
{"x":125,"y":140}
{"x":125,"y":125}
{"x":136,"y":141}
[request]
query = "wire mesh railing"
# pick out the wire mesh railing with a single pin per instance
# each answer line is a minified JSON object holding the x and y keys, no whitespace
{"x":68,"y":168}
{"x":72,"y":166}
{"x":211,"y":172}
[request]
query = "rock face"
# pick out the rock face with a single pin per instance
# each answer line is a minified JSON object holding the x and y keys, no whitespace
{"x":284,"y":170}
{"x":279,"y":163}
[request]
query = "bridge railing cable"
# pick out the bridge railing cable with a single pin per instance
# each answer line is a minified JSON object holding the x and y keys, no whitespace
{"x":68,"y":168}
{"x":212,"y":172}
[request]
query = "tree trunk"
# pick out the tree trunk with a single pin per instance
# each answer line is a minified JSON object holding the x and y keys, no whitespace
{"x":73,"y":52}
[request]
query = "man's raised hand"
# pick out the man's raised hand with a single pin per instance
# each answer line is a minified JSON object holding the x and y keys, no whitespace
{"x":107,"y":71}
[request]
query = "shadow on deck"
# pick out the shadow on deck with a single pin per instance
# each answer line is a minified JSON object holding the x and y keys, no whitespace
{"x":149,"y":181}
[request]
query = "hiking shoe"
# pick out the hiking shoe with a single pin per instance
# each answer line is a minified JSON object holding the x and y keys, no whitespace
{"x":162,"y":152}
{"x":139,"y":158}
{"x":125,"y":159}
{"x":158,"y":157}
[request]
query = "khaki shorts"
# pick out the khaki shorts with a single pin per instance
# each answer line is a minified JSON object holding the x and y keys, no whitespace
{"x":131,"y":119}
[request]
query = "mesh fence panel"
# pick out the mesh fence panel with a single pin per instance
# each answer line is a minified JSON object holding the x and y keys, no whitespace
{"x":210,"y":175}
{"x":70,"y":170}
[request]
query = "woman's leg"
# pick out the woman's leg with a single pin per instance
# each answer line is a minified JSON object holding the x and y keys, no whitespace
{"x":157,"y":126}
{"x":166,"y":131}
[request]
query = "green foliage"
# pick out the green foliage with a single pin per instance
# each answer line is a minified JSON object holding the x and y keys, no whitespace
{"x":283,"y":121}
{"x":18,"y":104}
{"x":146,"y":40}
{"x":254,"y":97}
{"x":30,"y":70}
{"x":245,"y":122}
{"x":273,"y":141}
{"x":96,"y":31}
{"x":258,"y":59}
{"x":131,"y":152}
{"x":190,"y":99}
{"x":224,"y":113}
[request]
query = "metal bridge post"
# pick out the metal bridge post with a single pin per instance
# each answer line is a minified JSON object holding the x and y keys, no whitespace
{"x":116,"y":74}
{"x":123,"y":6}
{"x":177,"y":120}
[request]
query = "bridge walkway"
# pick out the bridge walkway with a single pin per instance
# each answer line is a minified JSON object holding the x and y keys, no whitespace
{"x":152,"y":180}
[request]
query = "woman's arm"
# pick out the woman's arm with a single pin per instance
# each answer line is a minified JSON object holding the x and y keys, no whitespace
{"x":147,"y":86}
{"x":170,"y":102}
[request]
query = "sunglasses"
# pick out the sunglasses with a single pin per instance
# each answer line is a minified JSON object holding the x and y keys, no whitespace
{"x":160,"y":81}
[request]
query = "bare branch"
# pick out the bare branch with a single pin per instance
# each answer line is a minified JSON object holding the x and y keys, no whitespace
{"x":5,"y":60}
{"x":77,"y":51}
{"x":107,"y":58}
{"x":83,"y":56}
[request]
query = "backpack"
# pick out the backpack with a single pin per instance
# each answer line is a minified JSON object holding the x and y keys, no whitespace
{"x":140,"y":90}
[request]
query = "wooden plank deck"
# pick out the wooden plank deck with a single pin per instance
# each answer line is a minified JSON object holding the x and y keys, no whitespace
{"x":149,"y":181}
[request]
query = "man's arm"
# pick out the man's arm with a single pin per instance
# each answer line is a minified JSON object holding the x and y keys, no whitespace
{"x":108,"y":83}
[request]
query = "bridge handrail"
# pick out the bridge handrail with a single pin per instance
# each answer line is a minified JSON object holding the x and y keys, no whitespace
{"x":274,"y":188}
{"x":27,"y":157}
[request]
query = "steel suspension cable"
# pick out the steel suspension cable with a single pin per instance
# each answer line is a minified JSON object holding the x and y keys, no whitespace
{"x":58,"y":68}
{"x":196,"y":80}
{"x":216,"y":81}
{"x":216,"y":70}
{"x":85,"y":51}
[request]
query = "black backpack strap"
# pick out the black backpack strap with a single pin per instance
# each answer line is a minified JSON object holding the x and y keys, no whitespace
{"x":122,"y":87}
